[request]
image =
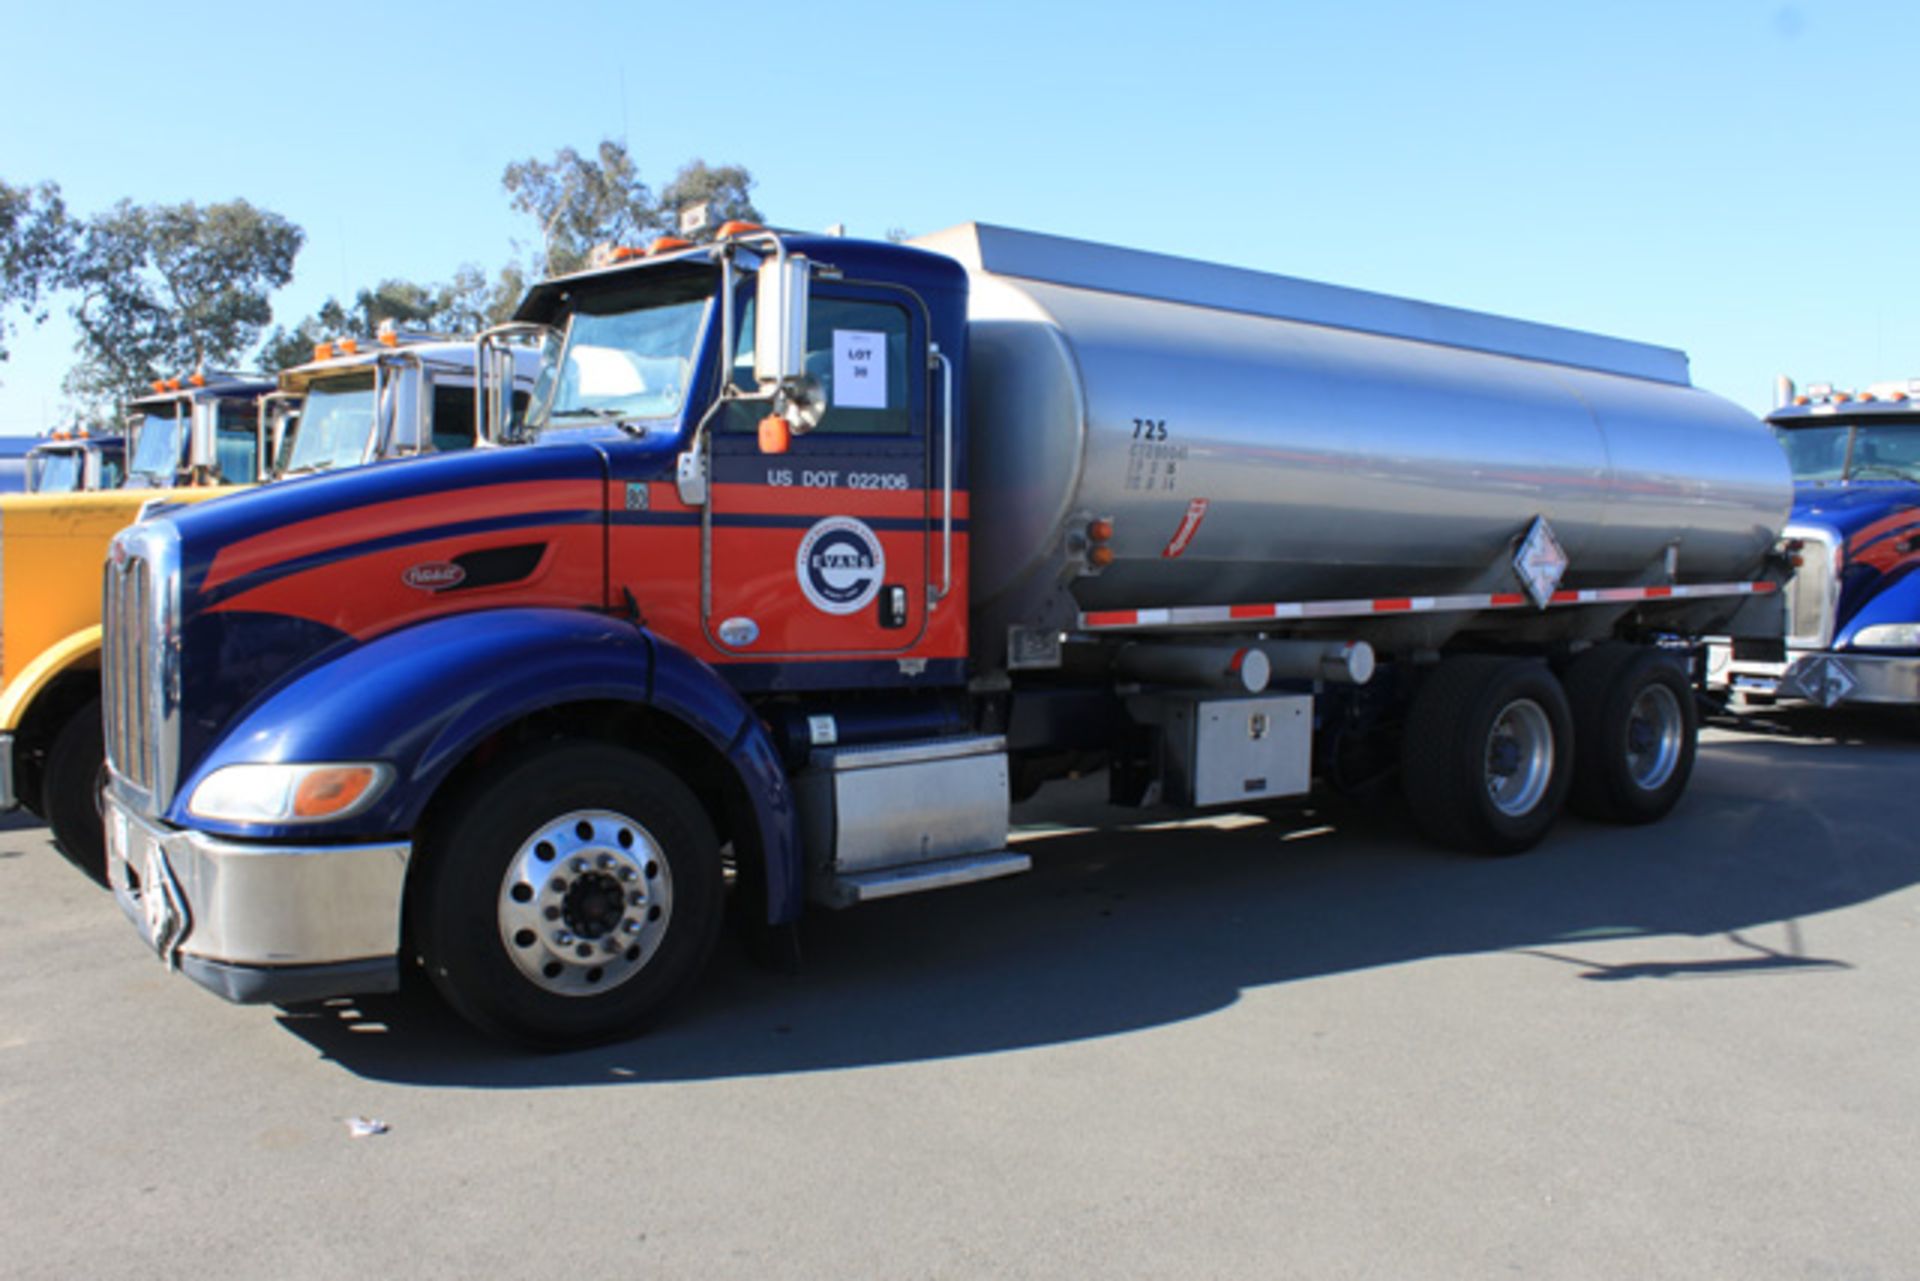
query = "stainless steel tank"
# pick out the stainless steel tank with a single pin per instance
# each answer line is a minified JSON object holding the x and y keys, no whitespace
{"x":1257,"y":438}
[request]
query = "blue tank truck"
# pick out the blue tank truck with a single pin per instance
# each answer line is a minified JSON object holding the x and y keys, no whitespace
{"x":810,"y":553}
{"x":1853,"y":603}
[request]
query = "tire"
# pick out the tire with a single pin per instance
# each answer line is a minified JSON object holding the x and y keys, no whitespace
{"x":1486,"y":754}
{"x":627,"y":870}
{"x":1635,"y":729}
{"x":70,"y":791}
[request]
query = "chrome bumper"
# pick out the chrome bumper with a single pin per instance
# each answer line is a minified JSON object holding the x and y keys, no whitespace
{"x":260,"y":922}
{"x":1826,"y":678}
{"x":7,"y":799}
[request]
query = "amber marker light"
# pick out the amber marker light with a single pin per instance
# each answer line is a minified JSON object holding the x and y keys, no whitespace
{"x":667,"y":244}
{"x":323,"y":351}
{"x":775,"y":434}
{"x":1100,"y":557}
{"x":350,"y":346}
{"x":159,"y":385}
{"x":197,"y":378}
{"x":327,"y":791}
{"x":736,"y":227}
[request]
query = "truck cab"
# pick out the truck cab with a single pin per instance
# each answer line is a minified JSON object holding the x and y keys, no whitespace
{"x":196,"y":431}
{"x":398,"y":395}
{"x":76,"y":463}
{"x":1853,"y":603}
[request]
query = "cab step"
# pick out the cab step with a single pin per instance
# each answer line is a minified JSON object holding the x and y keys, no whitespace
{"x":865,"y":887}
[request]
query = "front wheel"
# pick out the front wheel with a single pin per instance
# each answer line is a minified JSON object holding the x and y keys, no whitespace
{"x":1486,"y":754}
{"x":574,"y":892}
{"x":70,"y":791}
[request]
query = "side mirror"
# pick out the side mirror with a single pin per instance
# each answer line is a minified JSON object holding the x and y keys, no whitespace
{"x":201,"y":456}
{"x":780,"y":324}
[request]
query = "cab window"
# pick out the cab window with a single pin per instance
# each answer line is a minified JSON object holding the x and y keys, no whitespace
{"x":236,"y":447}
{"x":453,"y":417}
{"x":857,"y":352}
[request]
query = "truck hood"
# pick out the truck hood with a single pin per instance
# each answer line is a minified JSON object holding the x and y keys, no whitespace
{"x":275,"y":578}
{"x":1878,"y":525}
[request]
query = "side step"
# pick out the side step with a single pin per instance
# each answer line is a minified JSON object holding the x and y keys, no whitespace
{"x":864,"y":887}
{"x":893,"y":818}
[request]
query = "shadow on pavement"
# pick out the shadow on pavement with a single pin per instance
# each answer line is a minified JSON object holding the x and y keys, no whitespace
{"x":1116,"y":930}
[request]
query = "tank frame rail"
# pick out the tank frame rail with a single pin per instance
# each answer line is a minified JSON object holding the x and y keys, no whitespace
{"x":1114,"y":620}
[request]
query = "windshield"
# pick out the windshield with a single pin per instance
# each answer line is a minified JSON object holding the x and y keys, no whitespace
{"x":54,"y":472}
{"x":157,"y":445}
{"x":1853,"y":451}
{"x":334,"y":426}
{"x":628,"y":354}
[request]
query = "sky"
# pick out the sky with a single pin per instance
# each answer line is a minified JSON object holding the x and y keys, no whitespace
{"x":1733,"y":179}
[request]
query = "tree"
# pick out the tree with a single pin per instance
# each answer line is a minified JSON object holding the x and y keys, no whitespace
{"x":36,"y":242}
{"x":164,"y":288}
{"x":724,"y":190}
{"x":461,"y":307}
{"x":580,"y":202}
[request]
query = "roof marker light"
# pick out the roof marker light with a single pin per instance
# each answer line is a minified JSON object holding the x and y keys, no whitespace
{"x":159,"y":385}
{"x":323,"y":351}
{"x":666,"y":244}
{"x":350,"y":346}
{"x":197,"y":378}
{"x":737,"y":227}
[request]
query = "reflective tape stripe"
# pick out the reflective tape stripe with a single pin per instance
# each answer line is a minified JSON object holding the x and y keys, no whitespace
{"x":1214,"y":615}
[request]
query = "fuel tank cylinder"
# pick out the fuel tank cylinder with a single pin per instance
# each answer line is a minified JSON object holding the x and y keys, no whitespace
{"x":1227,"y":435}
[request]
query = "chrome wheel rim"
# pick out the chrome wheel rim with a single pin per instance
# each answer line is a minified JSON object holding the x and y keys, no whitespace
{"x":1655,"y":727}
{"x":585,"y":902}
{"x":1519,"y":757}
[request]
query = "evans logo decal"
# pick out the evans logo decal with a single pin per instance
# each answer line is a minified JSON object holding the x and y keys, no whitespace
{"x":434,"y":576}
{"x":840,"y":565}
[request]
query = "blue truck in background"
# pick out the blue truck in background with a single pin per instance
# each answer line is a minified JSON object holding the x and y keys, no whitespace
{"x":1853,"y":603}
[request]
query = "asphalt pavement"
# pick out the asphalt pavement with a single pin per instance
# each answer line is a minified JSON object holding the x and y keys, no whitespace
{"x":1292,"y":1044}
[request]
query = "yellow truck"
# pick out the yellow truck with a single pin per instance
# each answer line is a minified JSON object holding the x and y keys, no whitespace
{"x":357,"y":402}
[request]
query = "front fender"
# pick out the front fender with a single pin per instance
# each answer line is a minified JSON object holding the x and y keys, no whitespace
{"x":421,"y":698}
{"x":1897,"y":601}
{"x":47,"y":666}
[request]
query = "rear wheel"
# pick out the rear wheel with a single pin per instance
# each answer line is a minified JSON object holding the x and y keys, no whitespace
{"x":1635,"y":730}
{"x":1485,"y":757}
{"x":70,"y":791}
{"x":574,"y":893}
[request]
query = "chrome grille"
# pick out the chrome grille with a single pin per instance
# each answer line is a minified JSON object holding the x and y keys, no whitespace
{"x":137,"y":690}
{"x":1811,"y":591}
{"x":124,"y":661}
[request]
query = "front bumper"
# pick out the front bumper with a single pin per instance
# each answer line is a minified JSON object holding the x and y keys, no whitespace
{"x":260,"y":922}
{"x":1828,"y":678}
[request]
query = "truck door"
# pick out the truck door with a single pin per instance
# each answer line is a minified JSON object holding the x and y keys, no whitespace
{"x":823,"y":550}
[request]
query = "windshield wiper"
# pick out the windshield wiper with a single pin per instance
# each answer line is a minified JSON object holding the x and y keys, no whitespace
{"x":625,"y":422}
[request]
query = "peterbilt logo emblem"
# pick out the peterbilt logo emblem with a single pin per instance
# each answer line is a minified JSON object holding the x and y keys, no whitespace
{"x":434,"y":576}
{"x":840,"y":565}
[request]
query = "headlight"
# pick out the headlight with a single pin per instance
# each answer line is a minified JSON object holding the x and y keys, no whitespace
{"x":289,"y":793}
{"x":1888,"y":636}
